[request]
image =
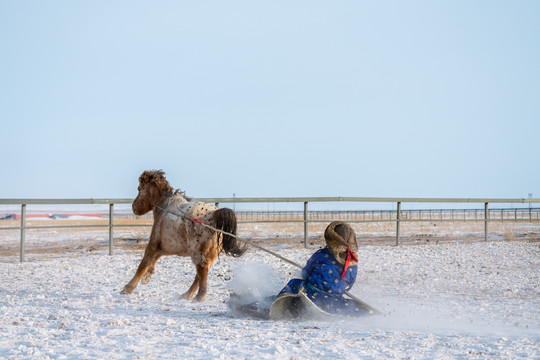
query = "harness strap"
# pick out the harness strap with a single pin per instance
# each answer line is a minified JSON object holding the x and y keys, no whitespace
{"x":348,"y":261}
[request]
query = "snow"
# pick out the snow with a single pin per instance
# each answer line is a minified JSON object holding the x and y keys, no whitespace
{"x":448,"y":300}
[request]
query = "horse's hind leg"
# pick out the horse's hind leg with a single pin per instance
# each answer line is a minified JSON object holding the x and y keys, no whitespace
{"x":189,"y":294}
{"x":199,"y":282}
{"x":151,"y":270}
{"x":202,"y":273}
{"x":148,"y":259}
{"x":203,"y":263}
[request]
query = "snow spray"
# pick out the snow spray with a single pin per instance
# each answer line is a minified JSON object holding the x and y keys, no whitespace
{"x":255,"y":281}
{"x":433,"y":316}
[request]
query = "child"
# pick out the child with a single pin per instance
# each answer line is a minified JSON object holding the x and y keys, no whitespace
{"x":325,"y":278}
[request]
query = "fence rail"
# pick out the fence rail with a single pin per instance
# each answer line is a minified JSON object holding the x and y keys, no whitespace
{"x":510,"y":214}
{"x":398,"y":216}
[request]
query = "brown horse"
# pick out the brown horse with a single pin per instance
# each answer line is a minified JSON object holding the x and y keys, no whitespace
{"x":176,"y":233}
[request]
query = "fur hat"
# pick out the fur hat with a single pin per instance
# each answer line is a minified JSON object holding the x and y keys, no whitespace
{"x":340,"y":238}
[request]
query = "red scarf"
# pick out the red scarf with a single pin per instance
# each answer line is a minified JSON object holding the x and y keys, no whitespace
{"x":348,"y":261}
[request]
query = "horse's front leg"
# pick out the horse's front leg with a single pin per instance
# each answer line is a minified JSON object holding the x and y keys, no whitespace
{"x":148,"y":259}
{"x":151,"y":270}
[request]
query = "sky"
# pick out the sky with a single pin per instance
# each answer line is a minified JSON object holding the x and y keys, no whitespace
{"x":270,"y":98}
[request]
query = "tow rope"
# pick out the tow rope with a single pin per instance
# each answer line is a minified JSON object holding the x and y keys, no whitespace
{"x":186,"y":216}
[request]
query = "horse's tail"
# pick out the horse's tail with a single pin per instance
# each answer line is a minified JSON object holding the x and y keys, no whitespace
{"x":225,"y":219}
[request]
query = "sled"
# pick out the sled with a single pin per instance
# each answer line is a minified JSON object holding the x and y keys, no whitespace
{"x":286,"y":306}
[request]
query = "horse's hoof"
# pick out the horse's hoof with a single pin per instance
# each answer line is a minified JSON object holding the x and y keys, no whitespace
{"x":127,"y":290}
{"x":199,"y":298}
{"x":185,"y":296}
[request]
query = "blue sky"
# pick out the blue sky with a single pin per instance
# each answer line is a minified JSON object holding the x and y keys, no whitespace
{"x":270,"y":98}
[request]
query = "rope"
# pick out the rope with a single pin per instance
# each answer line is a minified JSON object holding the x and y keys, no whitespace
{"x":186,"y":216}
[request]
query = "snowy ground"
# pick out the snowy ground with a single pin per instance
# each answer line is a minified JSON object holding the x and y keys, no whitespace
{"x":472,"y":300}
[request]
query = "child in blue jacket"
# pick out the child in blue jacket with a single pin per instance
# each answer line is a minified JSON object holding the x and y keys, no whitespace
{"x":325,"y":278}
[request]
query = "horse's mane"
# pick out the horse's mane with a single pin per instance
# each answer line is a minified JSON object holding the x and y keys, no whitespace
{"x":183,"y":194}
{"x":158,"y":178}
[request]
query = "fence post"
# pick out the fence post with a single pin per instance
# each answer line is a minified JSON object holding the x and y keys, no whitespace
{"x":486,"y":218}
{"x":305,"y":224}
{"x":398,"y":219}
{"x":111,"y":214}
{"x":23,"y":226}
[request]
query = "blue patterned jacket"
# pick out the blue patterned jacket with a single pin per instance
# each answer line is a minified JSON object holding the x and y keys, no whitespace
{"x":323,"y":284}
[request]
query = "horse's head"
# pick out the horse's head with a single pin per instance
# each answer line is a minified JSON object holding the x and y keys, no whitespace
{"x":152,"y":187}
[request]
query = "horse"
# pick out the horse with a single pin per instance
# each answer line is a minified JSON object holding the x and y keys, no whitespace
{"x":177,"y":231}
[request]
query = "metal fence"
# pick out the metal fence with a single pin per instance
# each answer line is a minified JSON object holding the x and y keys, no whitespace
{"x":358,"y":216}
{"x":306,"y":216}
